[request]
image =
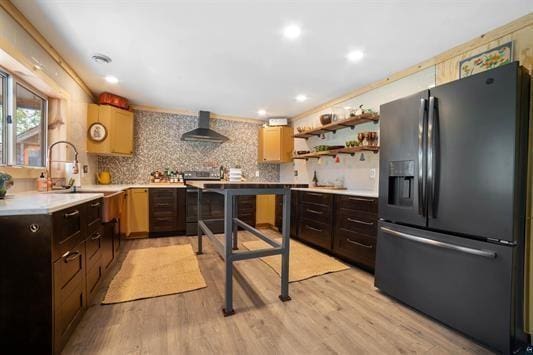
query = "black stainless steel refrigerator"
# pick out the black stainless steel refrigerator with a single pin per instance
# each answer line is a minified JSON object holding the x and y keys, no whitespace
{"x":452,"y":203}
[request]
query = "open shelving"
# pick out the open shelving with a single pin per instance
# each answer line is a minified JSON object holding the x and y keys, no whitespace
{"x":335,"y":152}
{"x":340,"y":124}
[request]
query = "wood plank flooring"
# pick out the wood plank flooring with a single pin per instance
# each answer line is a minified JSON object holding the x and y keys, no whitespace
{"x":339,"y":313}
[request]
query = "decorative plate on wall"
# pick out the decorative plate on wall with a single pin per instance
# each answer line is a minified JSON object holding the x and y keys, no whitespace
{"x":489,"y":59}
{"x":97,"y":132}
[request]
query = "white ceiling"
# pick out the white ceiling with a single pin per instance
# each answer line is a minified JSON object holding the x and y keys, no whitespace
{"x":230,"y":56}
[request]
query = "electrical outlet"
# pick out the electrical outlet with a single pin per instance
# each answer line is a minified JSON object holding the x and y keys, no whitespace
{"x":257,"y":173}
{"x":372,"y":173}
{"x":86,"y":169}
{"x":295,"y":172}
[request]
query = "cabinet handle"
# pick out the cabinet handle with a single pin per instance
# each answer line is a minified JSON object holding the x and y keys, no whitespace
{"x":313,"y":229}
{"x":164,"y":218}
{"x":360,"y":222}
{"x":96,"y":236}
{"x":96,"y":204}
{"x":314,"y":194}
{"x":313,"y":211}
{"x":360,"y":244}
{"x":72,"y":214}
{"x":71,"y":255}
{"x":360,"y":199}
{"x":163,"y":204}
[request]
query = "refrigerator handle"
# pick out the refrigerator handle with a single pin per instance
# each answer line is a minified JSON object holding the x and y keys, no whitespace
{"x":459,"y":248}
{"x":432,"y":156}
{"x":422,"y":125}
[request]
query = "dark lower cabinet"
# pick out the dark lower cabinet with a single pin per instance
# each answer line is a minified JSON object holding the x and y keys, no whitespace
{"x":70,"y":294}
{"x":213,"y":209}
{"x":50,"y":268}
{"x":343,"y":225}
{"x":167,"y":211}
{"x":355,"y":230}
{"x":295,"y":212}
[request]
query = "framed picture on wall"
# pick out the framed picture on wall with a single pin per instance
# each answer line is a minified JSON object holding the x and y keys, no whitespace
{"x":489,"y":59}
{"x":97,"y":132}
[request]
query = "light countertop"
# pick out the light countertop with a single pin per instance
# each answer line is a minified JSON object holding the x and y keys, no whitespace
{"x":26,"y":203}
{"x":362,"y":193}
{"x":123,"y":187}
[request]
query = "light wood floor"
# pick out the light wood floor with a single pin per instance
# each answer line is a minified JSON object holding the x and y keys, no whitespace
{"x":339,"y":313}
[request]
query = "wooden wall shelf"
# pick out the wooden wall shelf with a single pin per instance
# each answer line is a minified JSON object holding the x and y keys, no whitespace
{"x":334,"y":126}
{"x":335,"y":152}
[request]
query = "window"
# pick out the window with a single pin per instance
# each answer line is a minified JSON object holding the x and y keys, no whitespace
{"x":29,"y":122}
{"x":22,"y":123}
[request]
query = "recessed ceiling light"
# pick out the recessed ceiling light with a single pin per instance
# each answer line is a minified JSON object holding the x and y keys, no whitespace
{"x":292,"y":31}
{"x":355,"y":56}
{"x":111,"y":79}
{"x":301,"y":98}
{"x":347,"y":108}
{"x":101,"y":58}
{"x":261,"y":112}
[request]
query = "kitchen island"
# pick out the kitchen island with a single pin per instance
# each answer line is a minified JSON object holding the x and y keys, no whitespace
{"x":228,"y":247}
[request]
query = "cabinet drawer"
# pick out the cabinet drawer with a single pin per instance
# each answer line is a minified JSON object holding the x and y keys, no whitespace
{"x":70,"y":265}
{"x":317,"y":198}
{"x":163,"y":195}
{"x":94,"y":276}
{"x":94,"y":213}
{"x":163,"y":205}
{"x":367,"y":204}
{"x":70,"y":226}
{"x":357,"y":221}
{"x":94,"y":246}
{"x":163,"y":224}
{"x":359,"y":248}
{"x":69,"y":293}
{"x":319,"y":213}
{"x":316,"y":233}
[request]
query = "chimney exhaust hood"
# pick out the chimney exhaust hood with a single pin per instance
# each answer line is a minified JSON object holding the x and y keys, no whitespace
{"x":203,"y":133}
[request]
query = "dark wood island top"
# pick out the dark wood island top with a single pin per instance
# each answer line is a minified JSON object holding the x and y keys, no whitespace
{"x":227,"y":185}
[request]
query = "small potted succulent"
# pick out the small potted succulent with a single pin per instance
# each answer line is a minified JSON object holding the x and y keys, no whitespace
{"x":6,"y":181}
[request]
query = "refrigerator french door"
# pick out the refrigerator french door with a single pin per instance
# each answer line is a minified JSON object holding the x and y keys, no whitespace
{"x":452,"y":203}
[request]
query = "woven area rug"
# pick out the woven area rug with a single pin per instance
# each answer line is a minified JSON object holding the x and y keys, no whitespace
{"x":304,"y":262}
{"x":153,"y":272}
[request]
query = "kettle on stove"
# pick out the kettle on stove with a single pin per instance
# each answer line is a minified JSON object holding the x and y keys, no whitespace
{"x":104,"y":177}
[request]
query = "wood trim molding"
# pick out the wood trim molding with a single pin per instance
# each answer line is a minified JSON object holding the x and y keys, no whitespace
{"x":485,"y":38}
{"x":41,"y":40}
{"x":186,"y":112}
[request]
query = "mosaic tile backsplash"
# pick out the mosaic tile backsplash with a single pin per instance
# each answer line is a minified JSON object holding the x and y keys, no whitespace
{"x":158,"y":146}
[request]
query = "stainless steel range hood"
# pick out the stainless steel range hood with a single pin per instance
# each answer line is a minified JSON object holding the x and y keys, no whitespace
{"x":203,"y":133}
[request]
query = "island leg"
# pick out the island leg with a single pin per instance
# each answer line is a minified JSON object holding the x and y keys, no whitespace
{"x":199,"y":211}
{"x":235,"y":226}
{"x":228,"y":246}
{"x":285,"y":244}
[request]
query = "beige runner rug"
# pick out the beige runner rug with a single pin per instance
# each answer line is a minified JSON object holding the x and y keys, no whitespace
{"x":153,"y":272}
{"x":304,"y":262}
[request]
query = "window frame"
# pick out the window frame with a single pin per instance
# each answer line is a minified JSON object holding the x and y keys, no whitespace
{"x":3,"y":119}
{"x":9,"y":120}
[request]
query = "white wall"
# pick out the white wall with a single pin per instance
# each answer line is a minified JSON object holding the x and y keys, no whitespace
{"x":19,"y":45}
{"x":356,"y":173}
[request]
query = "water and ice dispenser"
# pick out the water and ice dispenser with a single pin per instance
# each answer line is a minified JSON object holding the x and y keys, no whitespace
{"x":401,"y":182}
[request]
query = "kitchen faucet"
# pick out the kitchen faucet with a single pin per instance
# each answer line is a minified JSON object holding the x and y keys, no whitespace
{"x":75,"y":169}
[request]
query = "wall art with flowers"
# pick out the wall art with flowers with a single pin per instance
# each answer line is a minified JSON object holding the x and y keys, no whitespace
{"x":492,"y":58}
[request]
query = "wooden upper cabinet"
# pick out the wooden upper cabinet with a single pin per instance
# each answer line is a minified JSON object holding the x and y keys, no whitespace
{"x":275,"y":145}
{"x":119,"y":124}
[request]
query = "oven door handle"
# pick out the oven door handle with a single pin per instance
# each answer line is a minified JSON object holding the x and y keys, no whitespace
{"x":478,"y":252}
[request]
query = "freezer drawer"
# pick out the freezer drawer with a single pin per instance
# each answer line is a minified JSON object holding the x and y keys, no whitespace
{"x":466,"y":284}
